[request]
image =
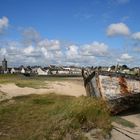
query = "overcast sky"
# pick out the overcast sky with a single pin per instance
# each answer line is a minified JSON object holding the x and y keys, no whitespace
{"x":70,"y":32}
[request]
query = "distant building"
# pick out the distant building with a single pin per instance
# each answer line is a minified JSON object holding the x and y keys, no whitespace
{"x":23,"y":70}
{"x":4,"y":66}
{"x":15,"y":70}
{"x":41,"y":71}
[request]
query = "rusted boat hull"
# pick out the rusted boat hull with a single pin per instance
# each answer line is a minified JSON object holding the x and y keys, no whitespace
{"x":120,"y":91}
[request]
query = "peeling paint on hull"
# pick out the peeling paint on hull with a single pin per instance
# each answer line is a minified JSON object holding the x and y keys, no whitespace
{"x":120,"y":91}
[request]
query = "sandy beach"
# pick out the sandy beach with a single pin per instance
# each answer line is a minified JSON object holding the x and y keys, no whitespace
{"x":59,"y":87}
{"x":74,"y":88}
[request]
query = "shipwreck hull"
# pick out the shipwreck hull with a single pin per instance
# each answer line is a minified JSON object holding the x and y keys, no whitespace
{"x":120,"y":91}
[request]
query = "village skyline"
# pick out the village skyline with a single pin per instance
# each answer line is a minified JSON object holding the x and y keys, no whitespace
{"x":80,"y":33}
{"x":64,"y":70}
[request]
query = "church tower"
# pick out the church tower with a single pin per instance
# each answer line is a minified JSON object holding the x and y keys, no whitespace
{"x":4,"y":65}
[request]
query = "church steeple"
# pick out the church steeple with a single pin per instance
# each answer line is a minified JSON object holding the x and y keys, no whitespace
{"x":4,"y":64}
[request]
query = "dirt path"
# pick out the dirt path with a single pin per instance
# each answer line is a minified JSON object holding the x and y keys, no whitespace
{"x":59,"y":87}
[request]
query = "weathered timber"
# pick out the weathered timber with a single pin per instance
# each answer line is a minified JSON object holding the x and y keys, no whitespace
{"x":120,"y":91}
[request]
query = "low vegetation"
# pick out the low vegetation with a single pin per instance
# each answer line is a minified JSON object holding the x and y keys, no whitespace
{"x":23,"y":81}
{"x":52,"y":117}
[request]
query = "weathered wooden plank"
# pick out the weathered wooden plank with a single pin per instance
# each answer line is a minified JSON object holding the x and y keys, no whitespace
{"x":118,"y":90}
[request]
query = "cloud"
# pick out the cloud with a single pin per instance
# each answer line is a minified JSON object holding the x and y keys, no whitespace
{"x":72,"y":51}
{"x":28,"y":50}
{"x":35,"y":50}
{"x":118,"y":29}
{"x":50,"y":44}
{"x":47,"y":52}
{"x":136,"y":49}
{"x":95,"y":49}
{"x":136,"y":36}
{"x":73,"y":56}
{"x":3,"y":51}
{"x":4,"y":23}
{"x":126,"y":58}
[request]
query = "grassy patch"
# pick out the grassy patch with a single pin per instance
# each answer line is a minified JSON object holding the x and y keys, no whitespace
{"x":43,"y":101}
{"x":8,"y":78}
{"x":52,"y":117}
{"x":31,"y":83}
{"x":123,"y":122}
{"x":23,"y":81}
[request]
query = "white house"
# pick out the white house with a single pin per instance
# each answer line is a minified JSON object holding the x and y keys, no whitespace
{"x":23,"y":70}
{"x":63,"y":72}
{"x":41,"y":71}
{"x":15,"y":70}
{"x":54,"y":71}
{"x":125,"y":71}
{"x":76,"y":71}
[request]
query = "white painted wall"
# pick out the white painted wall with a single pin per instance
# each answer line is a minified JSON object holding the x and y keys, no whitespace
{"x":42,"y":72}
{"x":23,"y":70}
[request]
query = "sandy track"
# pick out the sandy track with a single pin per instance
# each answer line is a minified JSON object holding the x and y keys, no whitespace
{"x":127,"y":133}
{"x":59,"y":87}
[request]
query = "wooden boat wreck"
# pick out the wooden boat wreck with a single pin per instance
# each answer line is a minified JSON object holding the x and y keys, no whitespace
{"x":120,"y":91}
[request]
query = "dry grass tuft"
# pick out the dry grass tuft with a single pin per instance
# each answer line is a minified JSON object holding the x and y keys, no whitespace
{"x":52,"y":117}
